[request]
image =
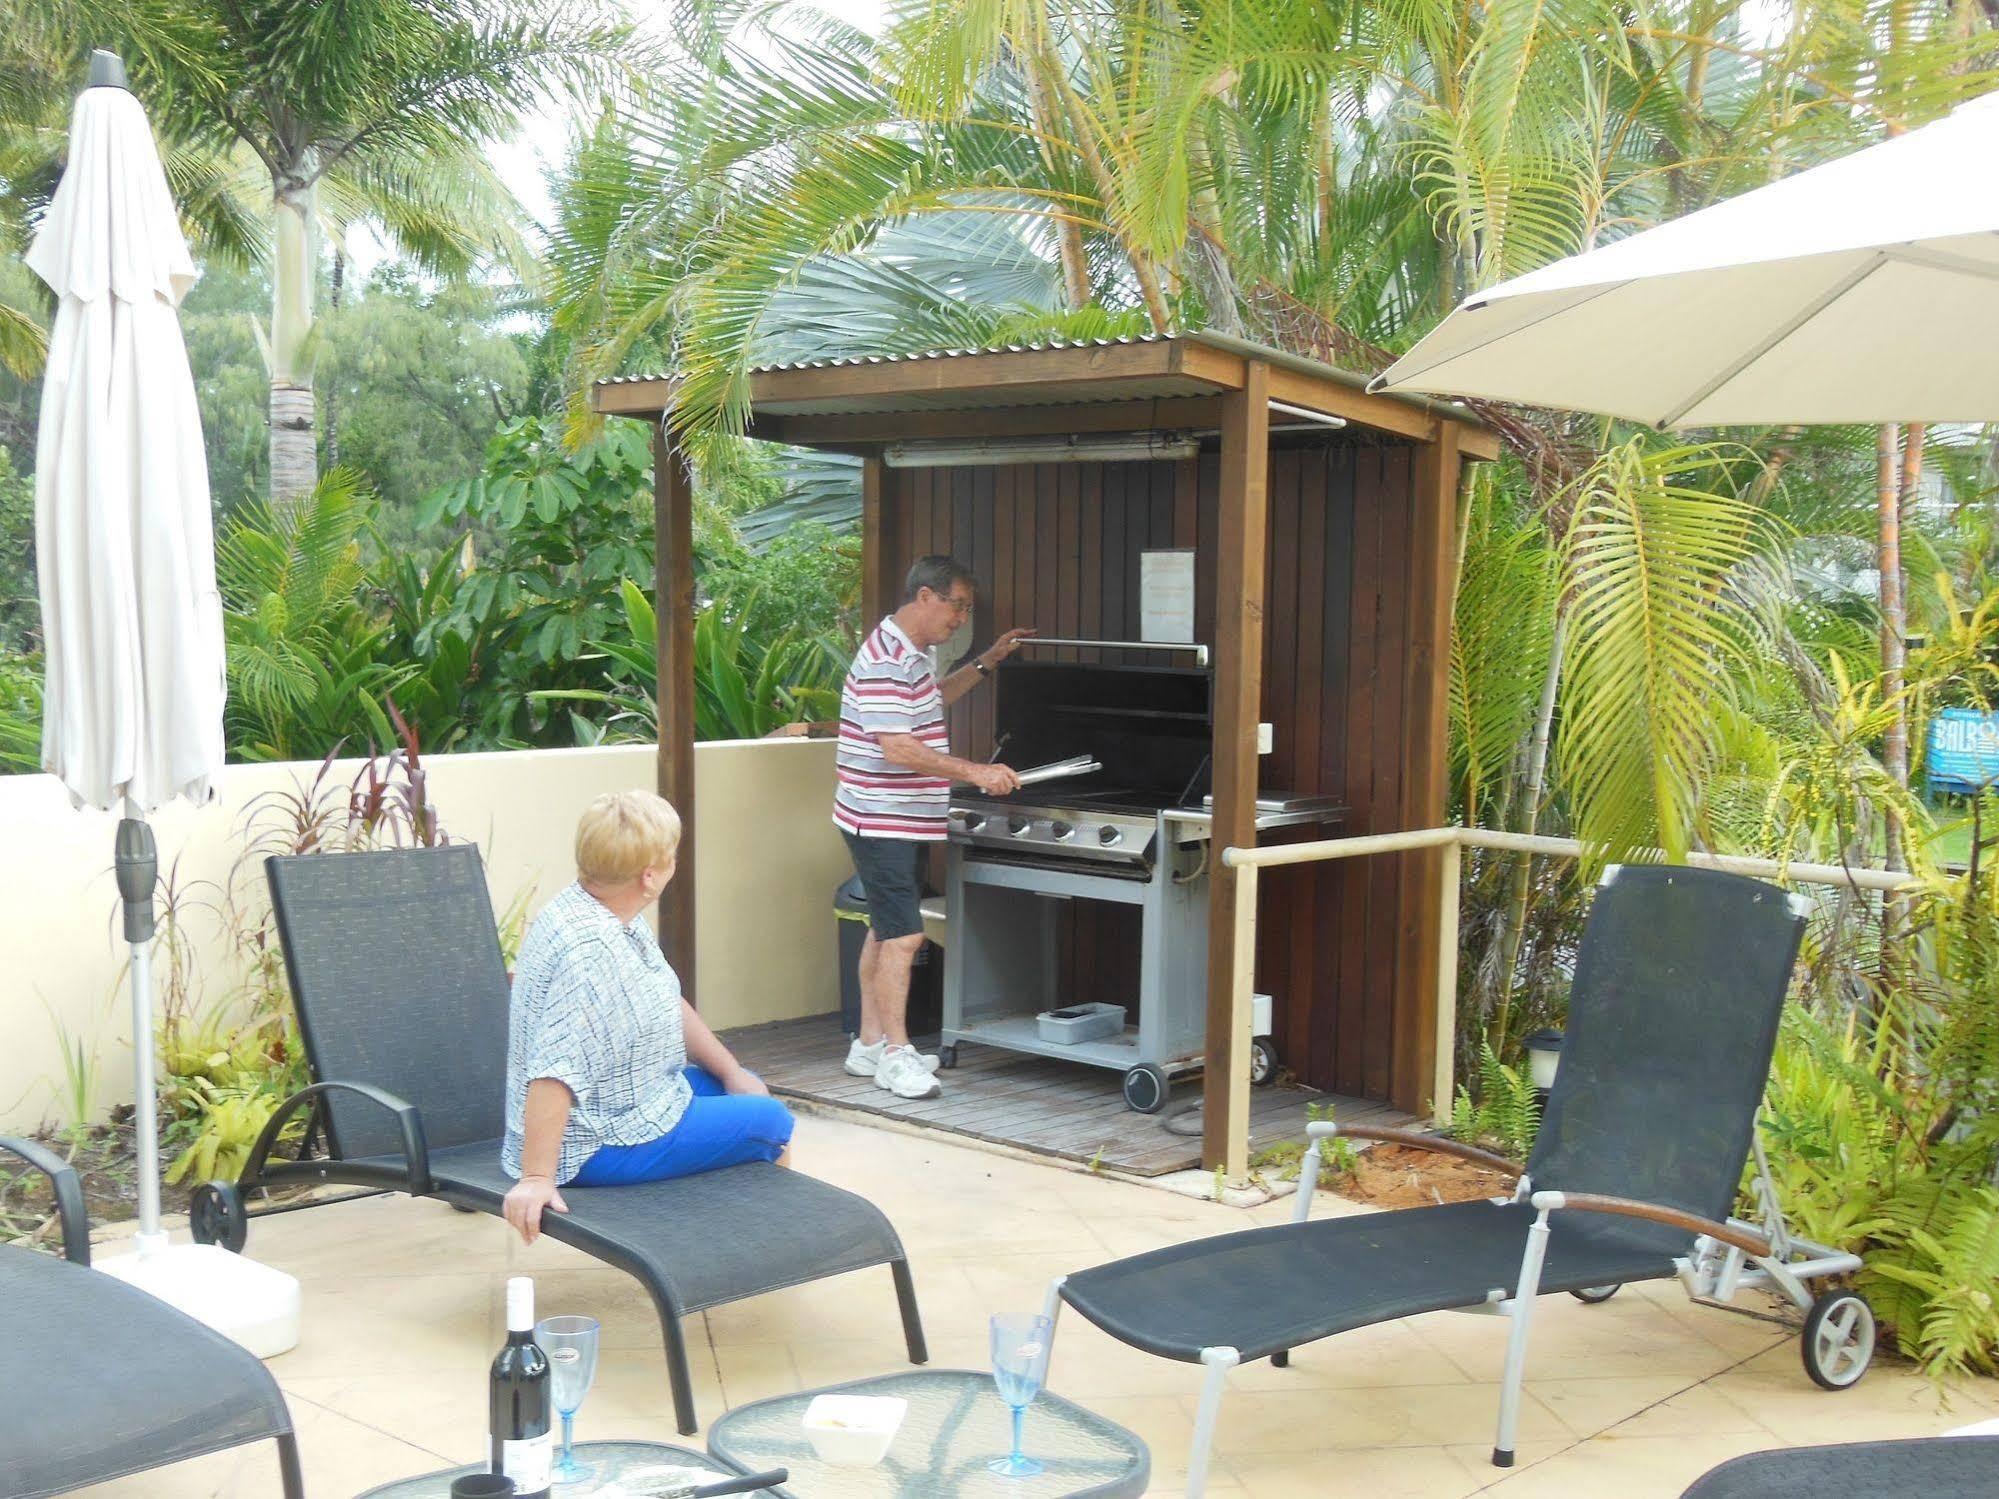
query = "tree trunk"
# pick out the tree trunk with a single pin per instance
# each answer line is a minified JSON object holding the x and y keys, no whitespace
{"x":331,"y":421}
{"x":1513,"y":927}
{"x":294,"y":444}
{"x":1068,"y":233}
{"x":1894,"y":617}
{"x":1142,"y":267}
{"x":1894,"y":628}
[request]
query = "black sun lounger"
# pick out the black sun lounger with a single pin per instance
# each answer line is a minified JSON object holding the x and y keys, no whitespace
{"x":1673,"y":1016}
{"x":107,"y":1380}
{"x":1922,"y":1468}
{"x":402,"y":995}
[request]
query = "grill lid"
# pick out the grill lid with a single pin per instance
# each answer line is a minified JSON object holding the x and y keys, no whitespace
{"x":1151,"y":727}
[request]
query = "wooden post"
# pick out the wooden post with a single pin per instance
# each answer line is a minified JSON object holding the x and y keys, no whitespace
{"x":874,"y":543}
{"x":1239,"y":574}
{"x":1450,"y":867}
{"x":673,"y":605}
{"x":1425,"y":784}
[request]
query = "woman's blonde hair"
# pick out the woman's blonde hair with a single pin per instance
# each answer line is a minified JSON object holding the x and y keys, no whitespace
{"x":624,"y":832}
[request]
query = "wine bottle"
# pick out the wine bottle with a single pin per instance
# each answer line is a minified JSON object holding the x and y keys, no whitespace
{"x":523,"y":1448}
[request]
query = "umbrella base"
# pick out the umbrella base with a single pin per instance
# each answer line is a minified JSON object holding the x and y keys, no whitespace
{"x":249,"y":1303}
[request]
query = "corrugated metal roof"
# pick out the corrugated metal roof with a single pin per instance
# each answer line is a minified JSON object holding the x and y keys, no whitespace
{"x":848,"y":361}
{"x":1241,"y":347}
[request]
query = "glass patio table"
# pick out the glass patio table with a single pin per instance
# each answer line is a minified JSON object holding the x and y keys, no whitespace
{"x":955,"y":1426}
{"x":612,"y":1463}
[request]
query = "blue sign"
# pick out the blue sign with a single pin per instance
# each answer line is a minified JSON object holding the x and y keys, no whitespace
{"x":1964,"y":750}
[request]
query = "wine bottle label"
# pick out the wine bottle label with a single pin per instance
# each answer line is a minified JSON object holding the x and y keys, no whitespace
{"x":529,"y":1462}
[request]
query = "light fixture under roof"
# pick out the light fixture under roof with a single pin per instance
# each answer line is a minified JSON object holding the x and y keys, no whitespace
{"x":1308,"y":414}
{"x":1125,"y":447}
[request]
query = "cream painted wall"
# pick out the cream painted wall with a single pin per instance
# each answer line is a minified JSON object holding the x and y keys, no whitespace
{"x":767,"y":863}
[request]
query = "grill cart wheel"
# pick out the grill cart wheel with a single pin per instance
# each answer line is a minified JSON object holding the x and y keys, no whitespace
{"x":1596,"y":1295}
{"x":947,"y":1056}
{"x":1262,"y":1062}
{"x":215,"y":1216}
{"x":1838,"y":1340}
{"x":1145,"y":1088}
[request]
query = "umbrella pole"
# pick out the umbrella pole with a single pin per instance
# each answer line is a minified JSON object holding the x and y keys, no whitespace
{"x":252,"y":1303}
{"x":138,"y":874}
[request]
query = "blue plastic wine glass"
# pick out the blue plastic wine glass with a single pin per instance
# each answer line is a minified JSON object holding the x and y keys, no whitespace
{"x":1020,"y":1364}
{"x":571,"y":1346}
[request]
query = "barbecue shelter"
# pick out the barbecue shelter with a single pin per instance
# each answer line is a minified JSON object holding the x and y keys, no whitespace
{"x":1322,"y":523}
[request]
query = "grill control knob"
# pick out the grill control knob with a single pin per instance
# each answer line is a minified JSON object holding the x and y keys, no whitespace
{"x":973,"y":821}
{"x":1109,"y":836}
{"x":1018,"y":825}
{"x":1061,"y":830}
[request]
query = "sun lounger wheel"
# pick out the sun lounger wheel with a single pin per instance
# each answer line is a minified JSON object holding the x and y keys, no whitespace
{"x":1596,"y":1295}
{"x":1838,"y":1341}
{"x":215,"y":1216}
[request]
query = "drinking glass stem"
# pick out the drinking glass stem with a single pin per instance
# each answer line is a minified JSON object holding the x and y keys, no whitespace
{"x":568,"y":1434}
{"x":1019,"y":1415}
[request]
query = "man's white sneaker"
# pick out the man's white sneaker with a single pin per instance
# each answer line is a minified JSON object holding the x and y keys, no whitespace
{"x":901,"y":1072}
{"x":863,"y":1060}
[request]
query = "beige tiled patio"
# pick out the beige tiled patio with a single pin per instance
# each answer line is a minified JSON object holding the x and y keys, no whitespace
{"x":1630,"y":1399}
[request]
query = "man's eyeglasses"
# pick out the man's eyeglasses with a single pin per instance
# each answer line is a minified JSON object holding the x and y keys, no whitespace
{"x":961,"y":606}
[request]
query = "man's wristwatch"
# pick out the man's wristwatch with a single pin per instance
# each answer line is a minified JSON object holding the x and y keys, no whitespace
{"x":981,"y":668}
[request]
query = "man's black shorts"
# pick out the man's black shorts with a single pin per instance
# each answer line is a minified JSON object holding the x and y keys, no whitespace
{"x":891,"y":874}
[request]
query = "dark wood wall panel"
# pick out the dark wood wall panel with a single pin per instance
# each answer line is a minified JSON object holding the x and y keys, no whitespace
{"x":1056,"y":548}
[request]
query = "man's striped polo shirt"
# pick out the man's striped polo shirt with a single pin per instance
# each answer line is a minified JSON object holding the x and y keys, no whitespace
{"x":890,"y":689}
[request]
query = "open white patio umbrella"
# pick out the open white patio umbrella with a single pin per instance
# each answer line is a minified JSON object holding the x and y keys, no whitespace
{"x":1864,"y":290}
{"x":131,"y":621}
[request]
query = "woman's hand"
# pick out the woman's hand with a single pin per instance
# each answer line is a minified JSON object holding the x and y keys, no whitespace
{"x":744,"y":1083}
{"x":525,"y":1201}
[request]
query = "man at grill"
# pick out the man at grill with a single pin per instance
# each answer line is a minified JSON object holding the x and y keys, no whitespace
{"x":893,"y":798}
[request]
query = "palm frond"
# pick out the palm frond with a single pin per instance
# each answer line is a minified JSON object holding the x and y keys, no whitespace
{"x":1655,"y":634}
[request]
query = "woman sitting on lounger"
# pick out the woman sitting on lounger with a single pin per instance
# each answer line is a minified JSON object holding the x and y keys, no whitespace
{"x":612,"y":1077}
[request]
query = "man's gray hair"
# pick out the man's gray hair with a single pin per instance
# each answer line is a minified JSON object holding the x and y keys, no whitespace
{"x":939,"y":574}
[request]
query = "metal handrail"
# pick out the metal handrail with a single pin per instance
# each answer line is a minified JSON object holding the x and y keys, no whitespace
{"x":1568,"y":848}
{"x":1200,"y":652}
{"x":1450,"y":842}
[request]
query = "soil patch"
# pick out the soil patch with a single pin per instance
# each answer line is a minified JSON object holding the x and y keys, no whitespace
{"x":104,"y":1157}
{"x":1401,"y":1176}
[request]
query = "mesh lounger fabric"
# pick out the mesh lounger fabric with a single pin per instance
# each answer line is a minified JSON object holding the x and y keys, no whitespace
{"x":107,"y":1381}
{"x":1929,"y":1468}
{"x":1672,"y":1018}
{"x":1267,"y":1289}
{"x":710,"y":1238}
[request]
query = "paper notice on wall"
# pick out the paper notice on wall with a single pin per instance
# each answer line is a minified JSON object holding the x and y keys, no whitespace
{"x":1166,"y":597}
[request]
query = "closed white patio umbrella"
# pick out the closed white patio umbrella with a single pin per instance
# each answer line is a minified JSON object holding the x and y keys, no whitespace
{"x":1865,"y":290}
{"x":132,"y":623}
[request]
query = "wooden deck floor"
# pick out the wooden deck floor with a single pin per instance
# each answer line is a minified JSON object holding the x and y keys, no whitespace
{"x":1062,"y":1109}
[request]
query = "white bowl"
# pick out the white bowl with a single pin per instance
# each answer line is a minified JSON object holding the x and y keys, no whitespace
{"x":853,"y":1431}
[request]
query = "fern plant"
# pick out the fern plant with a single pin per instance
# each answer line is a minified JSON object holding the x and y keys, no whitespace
{"x":1884,"y":1136}
{"x":1506,"y":1115}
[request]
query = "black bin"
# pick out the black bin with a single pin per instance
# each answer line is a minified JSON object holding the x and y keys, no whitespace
{"x":926,"y":979}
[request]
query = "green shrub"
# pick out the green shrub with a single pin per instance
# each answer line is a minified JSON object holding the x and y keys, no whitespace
{"x":20,"y":713}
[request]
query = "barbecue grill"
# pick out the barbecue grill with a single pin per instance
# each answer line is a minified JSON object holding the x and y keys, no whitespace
{"x":1132,"y":833}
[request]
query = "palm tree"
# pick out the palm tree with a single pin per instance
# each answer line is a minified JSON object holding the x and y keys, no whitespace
{"x":1331,"y":179}
{"x":371,"y":110}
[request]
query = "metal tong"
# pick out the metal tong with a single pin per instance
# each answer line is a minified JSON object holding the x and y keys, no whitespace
{"x":1075,"y":765}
